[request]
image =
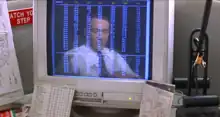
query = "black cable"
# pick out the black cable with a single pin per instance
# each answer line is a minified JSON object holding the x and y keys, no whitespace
{"x":205,"y":22}
{"x":202,"y":35}
{"x":195,"y":75}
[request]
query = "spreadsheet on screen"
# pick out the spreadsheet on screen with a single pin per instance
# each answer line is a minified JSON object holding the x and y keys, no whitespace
{"x":71,"y":28}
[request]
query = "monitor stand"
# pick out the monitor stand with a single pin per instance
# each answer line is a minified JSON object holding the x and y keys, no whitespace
{"x":107,"y":110}
{"x":103,"y":112}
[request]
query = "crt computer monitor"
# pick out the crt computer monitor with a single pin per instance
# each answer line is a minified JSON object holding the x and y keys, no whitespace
{"x":106,"y":49}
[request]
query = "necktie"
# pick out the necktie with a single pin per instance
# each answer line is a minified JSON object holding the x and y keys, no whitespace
{"x":103,"y":72}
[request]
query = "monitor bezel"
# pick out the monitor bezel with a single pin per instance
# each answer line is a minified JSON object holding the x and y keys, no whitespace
{"x":161,"y":50}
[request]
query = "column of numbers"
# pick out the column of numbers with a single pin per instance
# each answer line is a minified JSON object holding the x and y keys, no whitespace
{"x":99,"y":43}
{"x":88,"y":26}
{"x":88,"y":32}
{"x":138,"y":34}
{"x":124,"y":35}
{"x":138,"y":29}
{"x":99,"y":27}
{"x":75,"y":43}
{"x":124,"y":28}
{"x":65,"y":28}
{"x":76,"y":22}
{"x":66,"y":63}
{"x":112,"y":32}
{"x":65,"y":38}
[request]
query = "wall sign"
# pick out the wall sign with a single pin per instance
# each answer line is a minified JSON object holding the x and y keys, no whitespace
{"x":21,"y":16}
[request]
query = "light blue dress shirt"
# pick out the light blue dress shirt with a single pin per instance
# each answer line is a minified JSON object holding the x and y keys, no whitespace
{"x":85,"y":62}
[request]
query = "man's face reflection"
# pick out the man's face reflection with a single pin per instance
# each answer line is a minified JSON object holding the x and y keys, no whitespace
{"x":100,"y":33}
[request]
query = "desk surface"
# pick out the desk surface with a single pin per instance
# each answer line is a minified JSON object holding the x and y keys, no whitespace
{"x":123,"y":113}
{"x":89,"y":113}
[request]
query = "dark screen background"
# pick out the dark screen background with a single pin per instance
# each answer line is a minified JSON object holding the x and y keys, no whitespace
{"x":70,"y":20}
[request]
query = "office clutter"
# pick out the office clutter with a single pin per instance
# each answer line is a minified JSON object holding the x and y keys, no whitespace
{"x":18,"y":108}
{"x":15,"y":110}
{"x":10,"y":81}
{"x":56,"y":101}
{"x":11,"y":113}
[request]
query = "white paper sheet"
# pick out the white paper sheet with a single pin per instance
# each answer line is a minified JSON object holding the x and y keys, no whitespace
{"x":10,"y":79}
{"x":51,"y":101}
{"x":156,"y":102}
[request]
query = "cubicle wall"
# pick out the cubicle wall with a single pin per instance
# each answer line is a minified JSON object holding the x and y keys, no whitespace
{"x":188,"y":16}
{"x":23,"y":36}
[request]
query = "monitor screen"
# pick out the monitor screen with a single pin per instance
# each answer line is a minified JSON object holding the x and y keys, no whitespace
{"x":99,"y":38}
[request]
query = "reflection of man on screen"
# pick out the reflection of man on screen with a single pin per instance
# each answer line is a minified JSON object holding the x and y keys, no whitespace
{"x":97,"y":59}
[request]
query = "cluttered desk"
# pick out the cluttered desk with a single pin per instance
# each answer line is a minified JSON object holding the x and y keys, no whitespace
{"x":102,"y":59}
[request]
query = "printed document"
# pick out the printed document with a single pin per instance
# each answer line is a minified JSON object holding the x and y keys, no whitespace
{"x":157,"y":100}
{"x":51,"y":101}
{"x":10,"y":79}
